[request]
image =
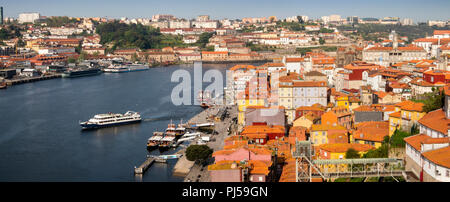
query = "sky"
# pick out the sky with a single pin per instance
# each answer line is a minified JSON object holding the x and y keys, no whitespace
{"x":418,"y":10}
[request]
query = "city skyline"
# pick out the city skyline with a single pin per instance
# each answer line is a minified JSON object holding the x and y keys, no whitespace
{"x":415,"y":9}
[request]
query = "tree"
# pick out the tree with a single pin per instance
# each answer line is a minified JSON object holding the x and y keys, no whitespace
{"x":321,"y":41}
{"x":134,"y":57}
{"x":71,"y":60}
{"x":352,"y":154}
{"x":82,"y":56}
{"x":397,"y":138}
{"x":198,"y":152}
{"x":204,"y":39}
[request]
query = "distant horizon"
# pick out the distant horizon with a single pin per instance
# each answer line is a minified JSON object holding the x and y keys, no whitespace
{"x":417,"y":10}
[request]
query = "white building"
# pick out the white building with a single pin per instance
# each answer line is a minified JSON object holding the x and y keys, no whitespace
{"x":427,"y":154}
{"x":28,"y":17}
{"x":407,"y":21}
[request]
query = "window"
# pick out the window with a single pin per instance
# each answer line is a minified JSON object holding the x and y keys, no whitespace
{"x":447,"y":173}
{"x":341,"y":157}
{"x":260,"y":179}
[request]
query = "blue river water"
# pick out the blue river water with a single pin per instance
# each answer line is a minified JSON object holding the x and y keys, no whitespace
{"x":41,"y":140}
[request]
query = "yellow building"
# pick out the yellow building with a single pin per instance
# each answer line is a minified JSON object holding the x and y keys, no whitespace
{"x":342,"y":101}
{"x":371,"y":133}
{"x":407,"y":114}
{"x":319,"y":133}
{"x":243,"y":103}
{"x":306,"y":120}
{"x":337,"y":151}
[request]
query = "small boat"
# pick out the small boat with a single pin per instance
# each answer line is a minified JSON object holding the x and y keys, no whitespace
{"x":204,"y":98}
{"x":111,"y":119}
{"x":167,"y":142}
{"x":3,"y":85}
{"x":154,"y":141}
{"x":180,"y":130}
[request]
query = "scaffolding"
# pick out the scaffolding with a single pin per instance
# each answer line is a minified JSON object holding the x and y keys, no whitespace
{"x":307,"y":168}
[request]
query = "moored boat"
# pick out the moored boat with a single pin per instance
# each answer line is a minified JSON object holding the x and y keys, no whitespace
{"x":111,"y":119}
{"x":80,"y":72}
{"x":126,"y":68}
{"x":154,"y":141}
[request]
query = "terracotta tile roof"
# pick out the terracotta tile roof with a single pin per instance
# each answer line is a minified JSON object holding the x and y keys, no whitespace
{"x":371,"y":131}
{"x":343,"y":147}
{"x":366,"y":108}
{"x":436,"y":140}
{"x":436,"y":120}
{"x":439,"y":156}
{"x":295,"y":60}
{"x":447,"y":90}
{"x":306,"y":84}
{"x":224,"y":165}
{"x":416,"y":140}
{"x":410,"y":106}
{"x":441,"y":32}
{"x":396,"y":114}
{"x":309,"y":108}
{"x":262,"y":129}
{"x":323,"y":127}
{"x":421,"y":82}
{"x":314,"y":73}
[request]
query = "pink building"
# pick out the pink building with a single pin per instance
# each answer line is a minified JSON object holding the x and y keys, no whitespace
{"x":243,"y":153}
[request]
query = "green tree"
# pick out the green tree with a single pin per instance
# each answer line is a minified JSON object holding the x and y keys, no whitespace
{"x":71,"y":60}
{"x":198,"y":152}
{"x":397,"y":139}
{"x":321,"y":41}
{"x":352,"y":154}
{"x":82,"y":56}
{"x":204,"y":39}
{"x":134,"y":57}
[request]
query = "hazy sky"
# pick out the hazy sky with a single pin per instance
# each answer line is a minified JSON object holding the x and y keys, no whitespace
{"x":418,"y":10}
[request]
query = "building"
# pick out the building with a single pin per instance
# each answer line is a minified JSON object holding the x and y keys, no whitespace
{"x":268,"y":115}
{"x":427,"y":154}
{"x":407,"y":21}
{"x":338,"y":116}
{"x":387,"y":56}
{"x":368,"y":113}
{"x":337,"y":151}
{"x":261,"y":133}
{"x":296,"y":93}
{"x":28,"y":17}
{"x":325,"y":133}
{"x":407,"y":114}
{"x":370,"y":133}
{"x":214,"y":56}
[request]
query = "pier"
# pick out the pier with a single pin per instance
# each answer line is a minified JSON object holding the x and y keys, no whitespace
{"x":144,"y":166}
{"x":11,"y":82}
{"x":151,"y":159}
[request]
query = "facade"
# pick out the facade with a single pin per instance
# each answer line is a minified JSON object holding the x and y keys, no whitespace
{"x":407,"y":114}
{"x":427,"y":153}
{"x":28,"y":17}
{"x":293,"y":94}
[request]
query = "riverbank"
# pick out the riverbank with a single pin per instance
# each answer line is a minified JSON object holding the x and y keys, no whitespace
{"x":22,"y":80}
{"x":194,"y":172}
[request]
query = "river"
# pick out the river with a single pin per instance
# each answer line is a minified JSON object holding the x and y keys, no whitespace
{"x":41,"y":140}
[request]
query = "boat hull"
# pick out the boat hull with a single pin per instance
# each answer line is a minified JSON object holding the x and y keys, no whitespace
{"x":96,"y":126}
{"x":152,"y":147}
